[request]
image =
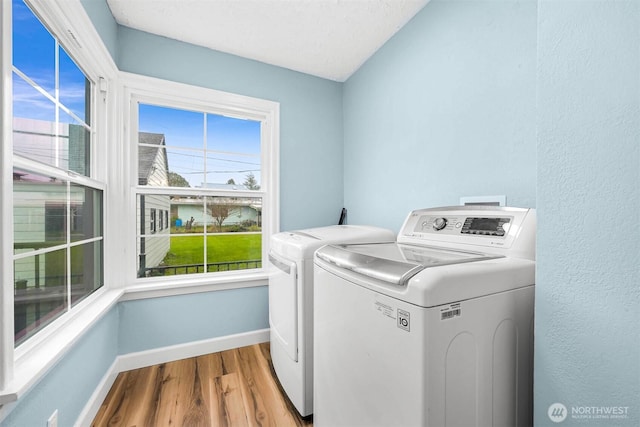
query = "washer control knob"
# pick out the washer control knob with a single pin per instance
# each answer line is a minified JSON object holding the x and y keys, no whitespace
{"x":439,"y":224}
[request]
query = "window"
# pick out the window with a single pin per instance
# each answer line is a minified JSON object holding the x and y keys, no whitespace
{"x":57,"y":205}
{"x":152,"y":221}
{"x":206,"y":180}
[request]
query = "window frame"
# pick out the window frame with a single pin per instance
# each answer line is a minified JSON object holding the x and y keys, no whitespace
{"x":149,"y":90}
{"x":68,"y":22}
{"x":67,"y":175}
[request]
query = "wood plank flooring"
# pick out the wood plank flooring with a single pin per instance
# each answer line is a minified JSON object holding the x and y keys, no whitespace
{"x":232,"y":388}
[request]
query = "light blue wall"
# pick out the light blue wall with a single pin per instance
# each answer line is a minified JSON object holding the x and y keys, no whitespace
{"x":588,"y":277}
{"x":70,"y":383}
{"x":445,"y":109}
{"x":159,"y":322}
{"x":311,"y":190}
{"x":104,"y":22}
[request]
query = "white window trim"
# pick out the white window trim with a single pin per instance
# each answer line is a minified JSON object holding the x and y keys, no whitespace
{"x":136,"y":88}
{"x":6,"y":192}
{"x":22,"y":367}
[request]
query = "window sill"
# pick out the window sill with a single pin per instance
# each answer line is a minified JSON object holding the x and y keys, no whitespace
{"x":35,"y":357}
{"x":150,"y":288}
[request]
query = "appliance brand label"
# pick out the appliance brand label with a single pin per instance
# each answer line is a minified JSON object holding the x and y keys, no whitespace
{"x":450,"y":311}
{"x":404,"y":320}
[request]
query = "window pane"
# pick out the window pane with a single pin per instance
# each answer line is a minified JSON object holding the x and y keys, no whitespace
{"x":36,"y":135}
{"x":86,"y":270}
{"x":39,"y":293}
{"x":39,"y":211}
{"x":74,"y":87}
{"x":150,"y":211}
{"x":159,"y":166}
{"x":36,"y":140}
{"x":227,"y":252}
{"x":180,"y":128}
{"x":86,"y":213}
{"x":234,"y":238}
{"x":182,"y":133}
{"x":233,"y":151}
{"x":33,"y":47}
{"x":230,"y":171}
{"x":28,"y":103}
{"x":186,"y":165}
{"x":153,"y":231}
{"x":168,"y":256}
{"x":234,"y":214}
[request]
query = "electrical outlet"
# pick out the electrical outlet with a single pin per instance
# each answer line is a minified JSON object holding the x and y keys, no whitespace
{"x":53,"y":419}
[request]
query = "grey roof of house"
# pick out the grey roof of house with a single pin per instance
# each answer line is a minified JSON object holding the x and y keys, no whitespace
{"x":147,"y":155}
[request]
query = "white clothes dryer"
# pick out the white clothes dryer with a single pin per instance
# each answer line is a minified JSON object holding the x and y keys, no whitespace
{"x":434,"y":330}
{"x":291,"y":302}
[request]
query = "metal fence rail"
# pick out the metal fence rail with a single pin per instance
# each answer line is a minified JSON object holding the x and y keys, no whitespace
{"x":168,"y":270}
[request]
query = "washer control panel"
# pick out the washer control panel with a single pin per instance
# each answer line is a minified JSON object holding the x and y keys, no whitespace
{"x":480,"y":226}
{"x":493,"y":228}
{"x":486,"y":226}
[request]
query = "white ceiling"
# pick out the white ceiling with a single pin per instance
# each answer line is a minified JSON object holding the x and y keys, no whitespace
{"x":325,"y":38}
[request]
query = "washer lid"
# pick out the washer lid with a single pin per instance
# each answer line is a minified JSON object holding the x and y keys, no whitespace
{"x":394,"y":263}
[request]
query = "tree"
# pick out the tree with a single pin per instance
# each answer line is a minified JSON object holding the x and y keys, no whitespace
{"x":250,"y":182}
{"x":177,"y":180}
{"x":231,"y":182}
{"x":221,"y":211}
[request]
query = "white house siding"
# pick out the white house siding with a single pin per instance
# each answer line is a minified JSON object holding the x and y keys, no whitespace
{"x":157,"y":242}
{"x":156,"y":233}
{"x":159,"y":176}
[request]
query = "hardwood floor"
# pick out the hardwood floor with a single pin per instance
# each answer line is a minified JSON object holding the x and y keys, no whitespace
{"x":232,"y":388}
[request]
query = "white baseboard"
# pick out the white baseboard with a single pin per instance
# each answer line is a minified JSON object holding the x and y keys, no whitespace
{"x":100,"y":393}
{"x":156,"y":356}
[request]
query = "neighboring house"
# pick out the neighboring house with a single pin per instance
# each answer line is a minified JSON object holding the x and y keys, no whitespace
{"x":153,"y":210}
{"x":241,"y":209}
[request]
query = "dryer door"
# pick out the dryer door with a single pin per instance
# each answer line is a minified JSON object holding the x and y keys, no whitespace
{"x":283,"y":304}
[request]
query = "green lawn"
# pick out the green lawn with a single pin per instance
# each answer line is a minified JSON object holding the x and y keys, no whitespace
{"x":187,"y":249}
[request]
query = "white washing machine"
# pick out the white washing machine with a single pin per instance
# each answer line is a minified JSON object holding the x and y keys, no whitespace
{"x":291,"y":302}
{"x":434,"y":330}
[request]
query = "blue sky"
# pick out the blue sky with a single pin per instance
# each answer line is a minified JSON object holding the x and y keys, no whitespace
{"x":232,"y":148}
{"x":34,"y":52}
